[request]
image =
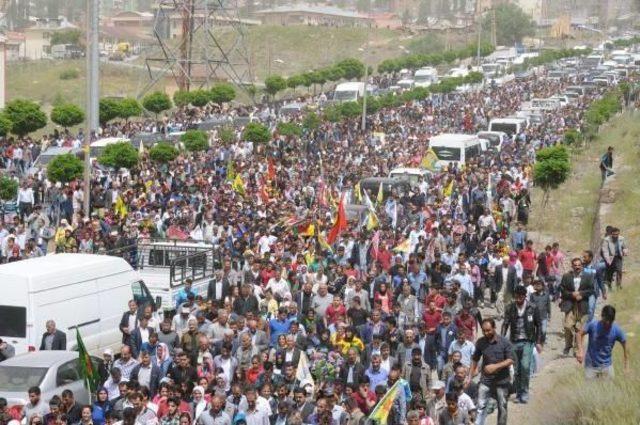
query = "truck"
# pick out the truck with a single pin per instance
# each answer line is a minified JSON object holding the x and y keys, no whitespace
{"x":348,"y":92}
{"x":424,"y":77}
{"x":455,"y":148}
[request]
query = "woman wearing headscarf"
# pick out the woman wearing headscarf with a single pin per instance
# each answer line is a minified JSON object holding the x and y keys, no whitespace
{"x":163,"y":358}
{"x":199,"y":404}
{"x":100,"y":407}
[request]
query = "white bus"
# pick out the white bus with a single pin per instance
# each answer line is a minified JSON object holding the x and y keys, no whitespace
{"x":96,"y":148}
{"x":455,"y":148}
{"x":424,"y":77}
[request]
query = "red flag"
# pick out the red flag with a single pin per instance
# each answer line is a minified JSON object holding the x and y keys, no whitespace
{"x":322,"y":195}
{"x":340,"y":225}
{"x":264,"y":195}
{"x":271,"y":170}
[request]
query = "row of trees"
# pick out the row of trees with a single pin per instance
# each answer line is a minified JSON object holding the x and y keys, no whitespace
{"x":349,"y":69}
{"x":418,"y":61}
{"x":218,"y":94}
{"x":66,"y":168}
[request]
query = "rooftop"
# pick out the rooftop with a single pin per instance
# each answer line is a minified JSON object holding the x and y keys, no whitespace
{"x":313,"y":9}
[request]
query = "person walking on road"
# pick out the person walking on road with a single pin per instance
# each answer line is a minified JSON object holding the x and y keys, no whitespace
{"x":613,"y":250}
{"x":496,"y":353}
{"x":603,"y":334}
{"x":606,"y":164}
{"x":522,"y":318}
{"x":53,"y":339}
{"x":575,"y":288}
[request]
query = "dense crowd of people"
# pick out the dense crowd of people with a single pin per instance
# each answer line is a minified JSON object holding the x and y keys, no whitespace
{"x":302,"y":328}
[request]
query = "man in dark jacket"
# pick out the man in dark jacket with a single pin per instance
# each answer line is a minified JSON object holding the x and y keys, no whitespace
{"x":129,"y":322}
{"x":575,"y":289}
{"x":53,"y":339}
{"x":523,"y":319}
{"x":246,"y":302}
{"x":147,"y":373}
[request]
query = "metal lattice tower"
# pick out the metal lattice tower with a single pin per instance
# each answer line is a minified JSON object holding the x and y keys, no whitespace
{"x":195,"y":56}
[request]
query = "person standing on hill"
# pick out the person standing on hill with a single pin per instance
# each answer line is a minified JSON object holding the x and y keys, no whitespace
{"x":606,"y":164}
{"x":603,"y":335}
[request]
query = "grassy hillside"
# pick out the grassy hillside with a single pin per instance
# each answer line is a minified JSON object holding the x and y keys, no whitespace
{"x":572,"y":208}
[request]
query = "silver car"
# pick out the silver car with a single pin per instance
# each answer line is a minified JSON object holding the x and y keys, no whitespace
{"x":52,"y":371}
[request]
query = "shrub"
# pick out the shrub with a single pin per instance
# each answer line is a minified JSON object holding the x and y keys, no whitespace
{"x":256,"y":133}
{"x":67,"y":115}
{"x":25,"y":116}
{"x":64,"y":168}
{"x":69,"y":74}
{"x":163,"y":152}
{"x":119,"y":155}
{"x":195,"y":140}
{"x":8,"y":188}
{"x":289,"y":129}
{"x":572,"y":136}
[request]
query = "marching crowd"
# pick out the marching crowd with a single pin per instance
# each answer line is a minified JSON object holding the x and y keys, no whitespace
{"x":304,"y":327}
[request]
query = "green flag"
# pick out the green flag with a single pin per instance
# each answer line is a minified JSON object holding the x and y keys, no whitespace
{"x":88,"y":373}
{"x":231,"y":171}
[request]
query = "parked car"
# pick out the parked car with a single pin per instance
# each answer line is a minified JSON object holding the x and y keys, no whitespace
{"x":52,"y":371}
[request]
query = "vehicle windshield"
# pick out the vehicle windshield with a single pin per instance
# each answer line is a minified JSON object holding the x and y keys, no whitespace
{"x":423,"y":78}
{"x":411,"y":178}
{"x":345,"y":95}
{"x":490,"y":67}
{"x":19,"y":378}
{"x":13,"y":321}
{"x":494,"y":139}
{"x":446,"y":153}
{"x":504,"y":127}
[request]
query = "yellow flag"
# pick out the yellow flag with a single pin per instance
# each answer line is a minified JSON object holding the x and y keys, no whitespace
{"x":448,"y":190}
{"x":380,"y":196}
{"x":405,"y":246}
{"x":323,"y":242}
{"x":238,"y":184}
{"x":121,"y":208}
{"x":372,"y":220}
{"x":429,"y":160}
{"x":357,"y":192}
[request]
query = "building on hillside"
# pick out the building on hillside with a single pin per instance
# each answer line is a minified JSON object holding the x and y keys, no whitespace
{"x":14,"y":45}
{"x":305,"y":14}
{"x":37,"y":38}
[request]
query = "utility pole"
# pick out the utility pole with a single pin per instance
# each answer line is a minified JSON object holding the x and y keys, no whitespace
{"x":93,"y":93}
{"x":363,"y":125}
{"x":494,"y":38}
{"x":479,"y":26}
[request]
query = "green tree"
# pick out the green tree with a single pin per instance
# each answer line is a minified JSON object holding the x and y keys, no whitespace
{"x":119,"y":155}
{"x":352,"y":69}
{"x":311,"y":121}
{"x":512,"y":24}
{"x":572,"y":136}
{"x":335,"y":73}
{"x":5,"y":125}
{"x":295,"y":81}
{"x":71,"y":36}
{"x":181,"y":98}
{"x":350,"y":109}
{"x":195,"y":140}
{"x":67,"y":115}
{"x":227,"y":135}
{"x":200,"y":97}
{"x":552,"y":168}
{"x":256,"y":133}
{"x":274,"y":84}
{"x":64,"y":168}
{"x":163,"y":152}
{"x":25,"y":115}
{"x":8,"y":188}
{"x":289,"y":129}
{"x":223,"y":93}
{"x":333,"y":113}
{"x":108,"y":109}
{"x":156,"y":102}
{"x":129,"y":107}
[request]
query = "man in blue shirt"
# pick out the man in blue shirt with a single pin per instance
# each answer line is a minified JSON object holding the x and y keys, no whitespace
{"x":183,"y":294}
{"x":279,"y":326}
{"x":603,"y":335}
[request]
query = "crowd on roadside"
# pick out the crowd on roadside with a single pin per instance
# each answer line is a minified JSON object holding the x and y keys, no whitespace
{"x":299,"y":328}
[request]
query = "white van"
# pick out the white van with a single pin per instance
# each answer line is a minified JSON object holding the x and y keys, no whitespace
{"x":511,"y":126}
{"x":458,"y":148}
{"x":492,"y":70}
{"x":78,"y":291}
{"x":548,"y":104}
{"x":412,"y":175}
{"x":424,"y":77}
{"x":348,"y":92}
{"x":495,"y":139}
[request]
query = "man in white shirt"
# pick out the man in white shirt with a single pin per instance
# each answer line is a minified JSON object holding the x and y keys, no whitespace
{"x":25,"y":200}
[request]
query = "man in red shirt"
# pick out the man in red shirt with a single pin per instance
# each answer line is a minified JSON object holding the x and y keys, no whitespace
{"x":432,"y":318}
{"x":364,"y":397}
{"x":466,"y":322}
{"x":528,"y":259}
